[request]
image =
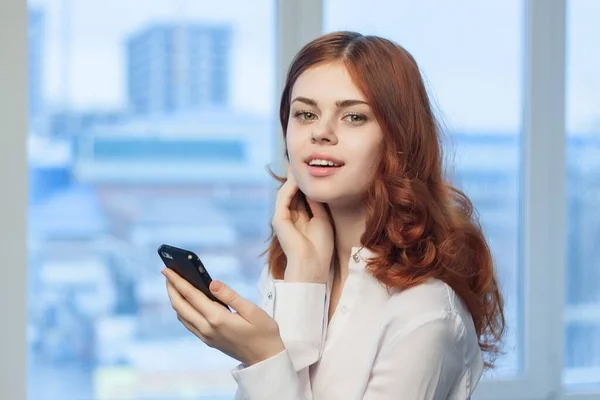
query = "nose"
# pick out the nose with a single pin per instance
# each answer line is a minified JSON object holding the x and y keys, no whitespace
{"x":323,"y":134}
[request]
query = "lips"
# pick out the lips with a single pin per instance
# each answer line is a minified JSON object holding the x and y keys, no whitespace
{"x":323,"y":157}
{"x":323,"y":165}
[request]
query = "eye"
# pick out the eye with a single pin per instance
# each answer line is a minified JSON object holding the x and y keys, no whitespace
{"x":305,"y":115}
{"x":355,"y":119}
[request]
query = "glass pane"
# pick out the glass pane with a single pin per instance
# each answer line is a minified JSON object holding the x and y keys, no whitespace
{"x":582,"y":313}
{"x":471,"y":54}
{"x":150,"y":123}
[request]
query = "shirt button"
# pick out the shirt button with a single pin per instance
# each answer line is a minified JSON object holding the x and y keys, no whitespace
{"x":344,"y":310}
{"x":356,"y":258}
{"x":270,"y":295}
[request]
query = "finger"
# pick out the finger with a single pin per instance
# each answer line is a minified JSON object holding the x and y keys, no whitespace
{"x":299,"y":202}
{"x":298,"y":210}
{"x":302,"y":213}
{"x":194,"y":297}
{"x":188,"y":325}
{"x":186,"y":311}
{"x":294,"y":208}
{"x":289,"y":174}
{"x":245,"y":308}
{"x":290,"y":204}
{"x":318,"y":209}
{"x":285,"y":197}
{"x":282,"y":222}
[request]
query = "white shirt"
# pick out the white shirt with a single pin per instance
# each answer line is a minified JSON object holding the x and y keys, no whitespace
{"x":413,"y":344}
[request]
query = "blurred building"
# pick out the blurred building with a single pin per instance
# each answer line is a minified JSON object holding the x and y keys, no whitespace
{"x":177,"y":67}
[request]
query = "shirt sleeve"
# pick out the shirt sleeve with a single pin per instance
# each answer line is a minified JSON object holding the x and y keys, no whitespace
{"x":423,"y":361}
{"x":300,"y":310}
{"x":272,"y":379}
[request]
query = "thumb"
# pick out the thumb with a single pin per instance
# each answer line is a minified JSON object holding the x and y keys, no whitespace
{"x":228,"y":296}
{"x":287,"y":234}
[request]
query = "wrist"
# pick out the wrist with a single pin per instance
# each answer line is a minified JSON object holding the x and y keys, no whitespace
{"x":304,"y":275}
{"x":277,"y":348}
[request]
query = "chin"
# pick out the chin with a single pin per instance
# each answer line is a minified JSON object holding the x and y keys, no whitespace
{"x":331,"y":196}
{"x":321,"y":195}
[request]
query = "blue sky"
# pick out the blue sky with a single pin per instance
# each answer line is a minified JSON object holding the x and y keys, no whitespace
{"x":98,"y":29}
{"x":470,"y":51}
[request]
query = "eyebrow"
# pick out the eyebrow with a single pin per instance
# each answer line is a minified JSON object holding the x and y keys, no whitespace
{"x":338,"y":104}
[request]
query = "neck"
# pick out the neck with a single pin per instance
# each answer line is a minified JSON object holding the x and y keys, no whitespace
{"x":350,"y":222}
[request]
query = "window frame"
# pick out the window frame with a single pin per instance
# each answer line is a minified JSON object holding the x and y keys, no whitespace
{"x":543,"y":207}
{"x":13,"y":174}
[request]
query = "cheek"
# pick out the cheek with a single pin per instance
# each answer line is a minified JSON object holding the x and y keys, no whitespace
{"x":375,"y":150}
{"x":293,"y":144}
{"x":291,"y":147}
{"x":366,"y":155}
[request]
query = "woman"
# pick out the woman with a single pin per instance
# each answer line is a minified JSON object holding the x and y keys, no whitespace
{"x":380,"y":284}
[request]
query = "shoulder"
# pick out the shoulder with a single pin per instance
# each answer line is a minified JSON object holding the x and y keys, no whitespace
{"x":432,"y":307}
{"x":433,"y":296}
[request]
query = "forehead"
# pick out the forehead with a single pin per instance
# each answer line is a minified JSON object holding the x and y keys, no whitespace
{"x":327,"y":83}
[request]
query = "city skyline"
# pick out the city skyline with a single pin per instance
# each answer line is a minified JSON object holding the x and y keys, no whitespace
{"x":88,"y":68}
{"x":98,"y":32}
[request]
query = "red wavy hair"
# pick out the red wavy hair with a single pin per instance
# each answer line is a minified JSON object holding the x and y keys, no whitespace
{"x":418,"y":224}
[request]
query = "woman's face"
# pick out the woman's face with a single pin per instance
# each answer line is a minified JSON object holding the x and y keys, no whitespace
{"x":331,"y":123}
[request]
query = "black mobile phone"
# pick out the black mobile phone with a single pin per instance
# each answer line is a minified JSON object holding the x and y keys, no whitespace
{"x":188,"y":265}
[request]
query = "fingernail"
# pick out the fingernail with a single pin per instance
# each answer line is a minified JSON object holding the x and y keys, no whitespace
{"x":217,"y":286}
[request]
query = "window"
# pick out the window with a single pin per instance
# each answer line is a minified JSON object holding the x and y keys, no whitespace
{"x":150,"y":124}
{"x":102,"y":78}
{"x":582,"y":303}
{"x":470,"y":54}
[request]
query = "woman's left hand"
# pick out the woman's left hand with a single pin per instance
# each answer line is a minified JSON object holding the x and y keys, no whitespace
{"x":249,"y":335}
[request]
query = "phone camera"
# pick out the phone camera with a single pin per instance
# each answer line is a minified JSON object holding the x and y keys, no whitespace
{"x":166,"y":255}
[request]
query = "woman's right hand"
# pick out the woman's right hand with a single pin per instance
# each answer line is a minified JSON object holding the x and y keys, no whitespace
{"x":306,"y":241}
